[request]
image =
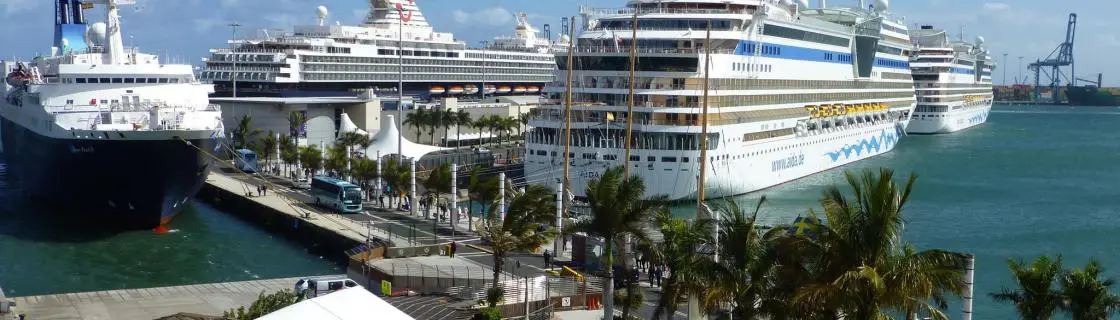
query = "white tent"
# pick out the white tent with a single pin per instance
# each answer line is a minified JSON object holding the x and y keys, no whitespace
{"x":346,"y":304}
{"x":385,"y":141}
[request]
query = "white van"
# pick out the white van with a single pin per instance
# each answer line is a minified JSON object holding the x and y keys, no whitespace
{"x":301,"y":183}
{"x":317,"y":286}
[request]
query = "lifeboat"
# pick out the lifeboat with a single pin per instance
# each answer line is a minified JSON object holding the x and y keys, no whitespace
{"x":455,"y":90}
{"x":436,"y":90}
{"x":532,"y":89}
{"x":504,"y":89}
{"x":470,"y":89}
{"x":491,"y":89}
{"x":518,"y":89}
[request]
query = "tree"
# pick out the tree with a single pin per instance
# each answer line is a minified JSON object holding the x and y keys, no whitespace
{"x":1036,"y":298}
{"x":617,"y":211}
{"x":523,"y":227}
{"x":311,"y":158}
{"x":289,"y":152}
{"x":418,"y":119}
{"x":364,"y":171}
{"x":265,"y":304}
{"x":462,"y":119}
{"x":509,"y":124}
{"x":680,"y":251}
{"x":481,"y":190}
{"x":861,"y":271}
{"x":1087,"y":296}
{"x":397,"y":176}
{"x":439,"y":118}
{"x":336,"y":158}
{"x":296,"y":120}
{"x":480,"y":124}
{"x":244,"y":133}
{"x":268,"y":146}
{"x":747,"y":261}
{"x":438,"y":182}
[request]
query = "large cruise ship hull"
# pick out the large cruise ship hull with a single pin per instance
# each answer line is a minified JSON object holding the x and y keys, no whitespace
{"x":739,"y":169}
{"x":127,"y":183}
{"x":941,"y":123}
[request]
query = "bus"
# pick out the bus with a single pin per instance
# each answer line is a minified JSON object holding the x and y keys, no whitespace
{"x":246,"y":160}
{"x":339,"y":195}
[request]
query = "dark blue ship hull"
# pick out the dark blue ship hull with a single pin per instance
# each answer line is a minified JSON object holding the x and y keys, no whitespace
{"x":126,"y":183}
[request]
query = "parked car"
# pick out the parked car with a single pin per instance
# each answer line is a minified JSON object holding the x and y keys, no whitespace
{"x":317,"y":286}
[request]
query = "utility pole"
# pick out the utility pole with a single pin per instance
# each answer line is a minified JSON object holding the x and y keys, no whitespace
{"x":1005,"y":69}
{"x":233,"y":55}
{"x":482,"y":90}
{"x":1020,"y":77}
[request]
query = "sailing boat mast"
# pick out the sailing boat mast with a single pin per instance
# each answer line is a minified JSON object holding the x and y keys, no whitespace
{"x":630,"y":95}
{"x":704,"y":127}
{"x":568,"y":121}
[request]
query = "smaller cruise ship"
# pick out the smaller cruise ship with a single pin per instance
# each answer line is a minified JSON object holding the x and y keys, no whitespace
{"x":953,"y":82}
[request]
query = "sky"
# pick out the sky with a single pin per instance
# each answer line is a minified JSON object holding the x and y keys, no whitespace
{"x":186,"y":29}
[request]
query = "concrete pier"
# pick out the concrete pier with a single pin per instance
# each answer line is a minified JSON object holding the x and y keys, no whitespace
{"x":151,"y":303}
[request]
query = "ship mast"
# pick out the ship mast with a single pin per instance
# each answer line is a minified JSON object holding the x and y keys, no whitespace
{"x":704,"y":127}
{"x":630,"y":98}
{"x":113,"y":43}
{"x":568,"y":121}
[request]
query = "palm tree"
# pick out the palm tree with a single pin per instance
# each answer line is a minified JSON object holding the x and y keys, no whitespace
{"x":617,"y":211}
{"x":419,"y":119}
{"x":269,"y":143}
{"x":397,"y":175}
{"x":311,"y":158}
{"x":1036,"y":299}
{"x":480,"y":124}
{"x":438,"y":118}
{"x":336,"y":158}
{"x":462,"y":118}
{"x":747,"y":261}
{"x":680,"y":251}
{"x":244,"y":133}
{"x":523,"y":120}
{"x":438,"y":182}
{"x":521,"y":229}
{"x":296,"y":119}
{"x":858,"y":248}
{"x":509,"y":124}
{"x":364,"y":171}
{"x":289,"y":153}
{"x":481,"y":190}
{"x":1087,"y":296}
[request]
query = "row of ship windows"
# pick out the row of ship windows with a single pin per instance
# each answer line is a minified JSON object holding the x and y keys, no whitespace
{"x":599,"y":138}
{"x":432,"y":69}
{"x":948,"y":92}
{"x":433,"y":62}
{"x":731,"y":84}
{"x":897,"y":76}
{"x":936,"y":85}
{"x":417,"y":53}
{"x":838,"y":57}
{"x":215,"y":75}
{"x":751,"y":67}
{"x":421,"y":77}
{"x":122,"y":80}
{"x":946,"y":99}
{"x":733,"y":101}
{"x":892,"y":63}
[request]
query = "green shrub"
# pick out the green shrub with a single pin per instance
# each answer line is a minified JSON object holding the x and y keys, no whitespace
{"x":494,"y":296}
{"x":488,"y":313}
{"x":265,"y":304}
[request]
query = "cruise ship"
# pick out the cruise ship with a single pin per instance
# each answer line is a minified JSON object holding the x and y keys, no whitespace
{"x":953,"y":80}
{"x":103,"y":131}
{"x":328,"y":60}
{"x":793,"y":91}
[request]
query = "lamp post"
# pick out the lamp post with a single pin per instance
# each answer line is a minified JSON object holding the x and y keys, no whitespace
{"x":1020,"y":78}
{"x":233,"y":55}
{"x":485,"y":44}
{"x":1005,"y":69}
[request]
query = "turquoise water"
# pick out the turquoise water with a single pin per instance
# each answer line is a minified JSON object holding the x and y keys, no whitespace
{"x":40,"y":253}
{"x":1032,"y":181}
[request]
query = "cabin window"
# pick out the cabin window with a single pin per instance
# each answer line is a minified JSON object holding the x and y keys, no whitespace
{"x":118,"y":80}
{"x":635,"y":158}
{"x":104,"y":80}
{"x":174,"y":80}
{"x":80,"y":80}
{"x":151,"y":80}
{"x":69,"y":102}
{"x":103,"y":101}
{"x":129,"y":80}
{"x":162,"y":80}
{"x":668,"y":159}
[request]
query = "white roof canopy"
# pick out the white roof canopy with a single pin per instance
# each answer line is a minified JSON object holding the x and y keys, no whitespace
{"x":346,"y":304}
{"x":386,"y":142}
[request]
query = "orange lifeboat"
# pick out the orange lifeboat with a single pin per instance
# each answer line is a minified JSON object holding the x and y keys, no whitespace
{"x":519,"y":89}
{"x":455,"y":90}
{"x":470,"y":89}
{"x":532,"y":89}
{"x":491,"y":89}
{"x":504,"y":89}
{"x":436,"y":90}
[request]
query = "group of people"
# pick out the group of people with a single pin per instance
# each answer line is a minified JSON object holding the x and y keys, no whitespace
{"x":655,"y":273}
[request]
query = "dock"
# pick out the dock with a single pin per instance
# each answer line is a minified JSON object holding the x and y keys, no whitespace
{"x":151,"y":303}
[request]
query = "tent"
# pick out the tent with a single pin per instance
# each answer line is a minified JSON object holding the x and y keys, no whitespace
{"x":345,"y":304}
{"x":385,"y":141}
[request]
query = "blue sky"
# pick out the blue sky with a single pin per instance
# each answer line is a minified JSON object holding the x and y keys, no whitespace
{"x":185,"y":29}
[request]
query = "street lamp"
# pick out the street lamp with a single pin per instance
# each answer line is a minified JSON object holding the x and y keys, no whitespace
{"x":1005,"y":69}
{"x":1020,"y":77}
{"x":485,"y":44}
{"x":233,"y":55}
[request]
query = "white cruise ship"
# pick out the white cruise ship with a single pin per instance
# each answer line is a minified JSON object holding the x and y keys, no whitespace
{"x":325,"y":59}
{"x":953,"y":80}
{"x":105,"y":132}
{"x":793,"y":91}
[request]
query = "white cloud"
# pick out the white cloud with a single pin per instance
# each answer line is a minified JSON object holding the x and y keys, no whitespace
{"x":11,"y":7}
{"x":496,"y":16}
{"x":996,"y":6}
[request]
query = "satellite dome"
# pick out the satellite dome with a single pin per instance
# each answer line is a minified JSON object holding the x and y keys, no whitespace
{"x":979,"y":40}
{"x":565,"y":38}
{"x":321,"y":12}
{"x":95,"y":35}
{"x":882,"y":5}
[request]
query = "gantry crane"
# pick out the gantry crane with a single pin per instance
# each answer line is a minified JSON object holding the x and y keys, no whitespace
{"x":1051,"y":67}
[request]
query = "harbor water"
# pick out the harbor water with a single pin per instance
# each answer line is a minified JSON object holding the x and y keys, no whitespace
{"x":1034,"y":180}
{"x":43,"y":252}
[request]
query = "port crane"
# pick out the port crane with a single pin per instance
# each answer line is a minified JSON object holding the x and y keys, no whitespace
{"x":1051,"y":67}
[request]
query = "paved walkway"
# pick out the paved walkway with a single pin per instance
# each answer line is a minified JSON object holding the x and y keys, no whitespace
{"x":151,"y":303}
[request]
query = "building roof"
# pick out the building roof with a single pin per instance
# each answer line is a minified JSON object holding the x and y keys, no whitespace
{"x":346,"y":304}
{"x":291,"y":100}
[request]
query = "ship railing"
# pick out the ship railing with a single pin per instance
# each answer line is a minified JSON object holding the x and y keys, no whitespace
{"x":653,"y":10}
{"x":119,"y":107}
{"x":626,"y":50}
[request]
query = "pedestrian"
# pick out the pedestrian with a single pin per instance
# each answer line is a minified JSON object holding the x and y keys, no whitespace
{"x":264,"y":190}
{"x":652,"y":277}
{"x":518,"y":264}
{"x":451,"y":251}
{"x":660,"y":273}
{"x":259,"y":191}
{"x":546,"y":257}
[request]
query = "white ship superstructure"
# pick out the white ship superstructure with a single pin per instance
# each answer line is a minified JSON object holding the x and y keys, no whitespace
{"x":338,"y":59}
{"x":104,"y":128}
{"x":793,"y":91}
{"x":953,"y":80}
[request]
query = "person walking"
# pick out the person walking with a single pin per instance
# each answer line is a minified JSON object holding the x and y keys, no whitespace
{"x":451,"y":251}
{"x":546,"y":258}
{"x":264,"y":189}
